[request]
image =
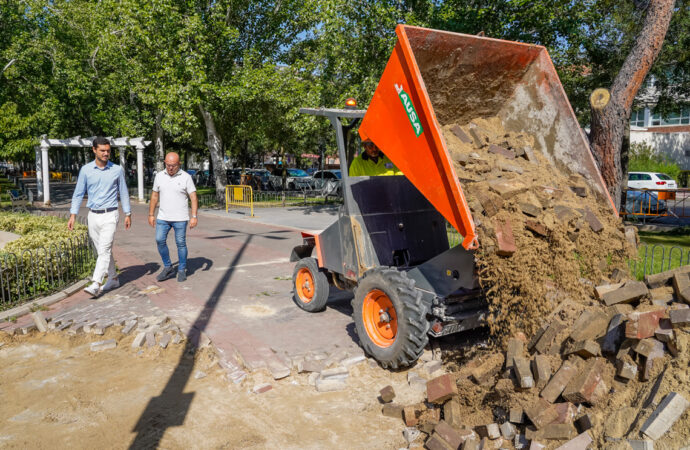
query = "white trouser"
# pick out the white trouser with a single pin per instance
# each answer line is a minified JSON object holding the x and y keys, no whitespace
{"x":102,"y":232}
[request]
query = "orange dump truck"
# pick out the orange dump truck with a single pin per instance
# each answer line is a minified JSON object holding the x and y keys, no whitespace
{"x":389,"y":243}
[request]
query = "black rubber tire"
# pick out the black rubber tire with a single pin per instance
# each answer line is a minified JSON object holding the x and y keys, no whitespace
{"x":413,"y":326}
{"x":321,"y":286}
{"x":291,"y":186}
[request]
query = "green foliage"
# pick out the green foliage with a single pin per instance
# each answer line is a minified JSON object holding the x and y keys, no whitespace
{"x":644,"y":159}
{"x":46,"y":257}
{"x":36,"y":231}
{"x":78,"y":67}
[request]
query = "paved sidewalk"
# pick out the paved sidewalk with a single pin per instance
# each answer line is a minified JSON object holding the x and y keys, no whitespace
{"x":307,"y":218}
{"x":238,"y":290}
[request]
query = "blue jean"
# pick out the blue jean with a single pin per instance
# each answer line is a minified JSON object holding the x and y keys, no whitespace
{"x":162,"y":229}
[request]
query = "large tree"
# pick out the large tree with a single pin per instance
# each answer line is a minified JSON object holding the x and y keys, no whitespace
{"x":610,"y":118}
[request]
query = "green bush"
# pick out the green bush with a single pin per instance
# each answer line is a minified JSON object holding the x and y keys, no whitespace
{"x":644,"y":159}
{"x":45,"y":258}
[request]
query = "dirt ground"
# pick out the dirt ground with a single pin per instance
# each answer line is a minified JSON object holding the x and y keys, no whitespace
{"x":56,"y":393}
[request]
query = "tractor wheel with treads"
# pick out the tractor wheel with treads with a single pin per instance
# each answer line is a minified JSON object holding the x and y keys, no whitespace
{"x":310,"y":285}
{"x":390,"y":317}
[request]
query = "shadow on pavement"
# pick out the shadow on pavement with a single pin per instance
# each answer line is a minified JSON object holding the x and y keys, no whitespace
{"x":131,"y":273}
{"x":235,"y":233}
{"x":307,"y":210}
{"x":170,"y":408}
{"x":194,"y":264}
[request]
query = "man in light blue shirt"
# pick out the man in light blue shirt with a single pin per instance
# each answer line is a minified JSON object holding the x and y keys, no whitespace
{"x":104,"y":182}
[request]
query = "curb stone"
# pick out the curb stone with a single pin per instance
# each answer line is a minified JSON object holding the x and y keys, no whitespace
{"x":45,"y":301}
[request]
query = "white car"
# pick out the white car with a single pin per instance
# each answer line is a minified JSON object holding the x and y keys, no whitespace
{"x":650,"y":180}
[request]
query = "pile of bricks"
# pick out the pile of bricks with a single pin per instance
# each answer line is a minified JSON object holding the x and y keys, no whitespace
{"x":329,"y":373}
{"x":133,"y":313}
{"x":555,"y":381}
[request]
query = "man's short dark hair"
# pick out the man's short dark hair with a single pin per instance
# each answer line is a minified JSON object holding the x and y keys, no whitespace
{"x":100,"y":140}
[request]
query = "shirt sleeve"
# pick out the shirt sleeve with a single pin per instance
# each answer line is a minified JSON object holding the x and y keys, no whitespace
{"x":79,"y":191}
{"x":156,"y":184}
{"x":190,"y":185}
{"x":124,"y":193}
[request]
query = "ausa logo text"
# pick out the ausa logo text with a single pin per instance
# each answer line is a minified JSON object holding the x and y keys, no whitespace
{"x":409,"y":109}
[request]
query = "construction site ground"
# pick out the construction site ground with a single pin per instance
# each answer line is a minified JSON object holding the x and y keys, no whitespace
{"x":55,"y":390}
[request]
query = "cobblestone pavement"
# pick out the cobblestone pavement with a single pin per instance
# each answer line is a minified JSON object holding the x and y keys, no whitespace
{"x":237,"y":295}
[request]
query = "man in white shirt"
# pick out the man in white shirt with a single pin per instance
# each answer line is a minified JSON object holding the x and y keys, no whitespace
{"x":173,"y":187}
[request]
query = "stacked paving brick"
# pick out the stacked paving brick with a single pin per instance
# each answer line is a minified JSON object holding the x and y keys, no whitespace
{"x":544,"y":231}
{"x":130,"y":310}
{"x":612,"y":375}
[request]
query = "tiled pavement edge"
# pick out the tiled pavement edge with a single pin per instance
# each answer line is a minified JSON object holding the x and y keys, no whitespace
{"x":43,"y":302}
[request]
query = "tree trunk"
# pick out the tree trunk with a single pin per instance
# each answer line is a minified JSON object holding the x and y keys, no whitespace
{"x":160,"y":151}
{"x":609,"y":120}
{"x":215,"y":147}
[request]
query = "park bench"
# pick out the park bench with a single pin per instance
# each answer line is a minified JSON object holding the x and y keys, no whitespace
{"x":20,"y":201}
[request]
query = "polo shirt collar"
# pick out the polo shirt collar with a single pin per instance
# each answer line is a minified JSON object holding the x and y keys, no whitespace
{"x":108,"y":165}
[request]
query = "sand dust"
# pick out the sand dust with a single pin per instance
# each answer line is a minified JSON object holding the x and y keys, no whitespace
{"x":56,"y":393}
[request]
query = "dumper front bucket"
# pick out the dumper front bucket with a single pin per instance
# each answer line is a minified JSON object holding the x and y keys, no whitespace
{"x":434,"y":78}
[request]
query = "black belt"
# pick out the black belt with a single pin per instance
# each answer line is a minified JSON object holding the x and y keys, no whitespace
{"x":102,"y":211}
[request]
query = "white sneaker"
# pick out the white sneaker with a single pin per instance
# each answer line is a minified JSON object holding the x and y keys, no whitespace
{"x":93,"y":289}
{"x":112,"y":283}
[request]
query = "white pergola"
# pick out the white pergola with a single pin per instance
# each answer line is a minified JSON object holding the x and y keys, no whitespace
{"x":43,"y":176}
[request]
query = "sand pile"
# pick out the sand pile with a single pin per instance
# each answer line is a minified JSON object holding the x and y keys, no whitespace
{"x":546,"y":237}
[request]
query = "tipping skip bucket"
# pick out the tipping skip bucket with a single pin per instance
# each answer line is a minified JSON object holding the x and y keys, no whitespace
{"x":434,"y":78}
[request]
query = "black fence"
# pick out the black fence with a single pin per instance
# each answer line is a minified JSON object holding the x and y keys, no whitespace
{"x":658,"y":258}
{"x":41,"y":271}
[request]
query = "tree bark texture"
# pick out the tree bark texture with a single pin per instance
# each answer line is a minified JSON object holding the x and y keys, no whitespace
{"x":609,"y":123}
{"x":160,"y":151}
{"x":215,"y":147}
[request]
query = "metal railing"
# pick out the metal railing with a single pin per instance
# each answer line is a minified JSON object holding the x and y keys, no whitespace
{"x":239,"y":196}
{"x":650,"y":204}
{"x":44,"y":270}
{"x":658,"y":258}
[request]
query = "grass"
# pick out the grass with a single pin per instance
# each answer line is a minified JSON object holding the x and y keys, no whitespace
{"x":663,"y":251}
{"x":36,"y":307}
{"x":205,"y":190}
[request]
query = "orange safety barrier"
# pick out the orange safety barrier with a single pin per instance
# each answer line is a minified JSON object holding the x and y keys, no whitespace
{"x":650,"y":203}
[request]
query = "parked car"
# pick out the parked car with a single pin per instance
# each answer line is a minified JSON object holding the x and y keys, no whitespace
{"x":327,"y":175}
{"x":297,"y":179}
{"x":263,"y":175}
{"x":650,"y":180}
{"x":234,"y":176}
{"x":328,"y":180}
{"x":203,"y":178}
{"x":645,"y":203}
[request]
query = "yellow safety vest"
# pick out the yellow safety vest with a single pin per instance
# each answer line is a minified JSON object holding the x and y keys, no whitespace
{"x":366,"y":167}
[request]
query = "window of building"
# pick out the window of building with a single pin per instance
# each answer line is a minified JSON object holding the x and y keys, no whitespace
{"x":680,"y":117}
{"x":637,"y":118}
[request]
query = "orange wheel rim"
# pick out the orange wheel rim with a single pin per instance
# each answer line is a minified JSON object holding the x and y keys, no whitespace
{"x":380,"y":319}
{"x":304,"y":285}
